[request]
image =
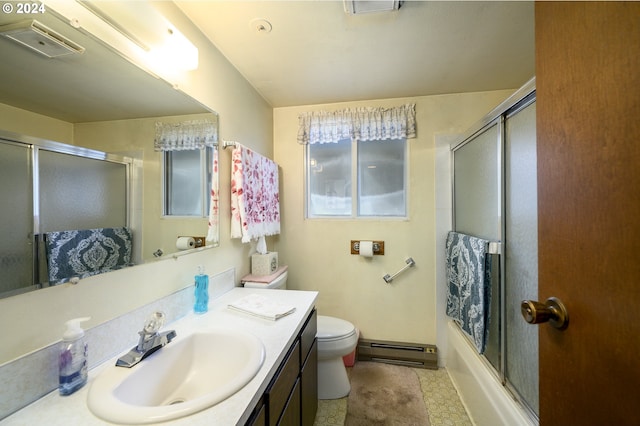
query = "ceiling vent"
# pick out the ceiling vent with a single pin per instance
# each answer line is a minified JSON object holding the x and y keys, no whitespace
{"x":359,"y":7}
{"x":42,"y":39}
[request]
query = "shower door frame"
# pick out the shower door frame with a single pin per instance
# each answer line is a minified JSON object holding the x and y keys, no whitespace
{"x":518,"y":101}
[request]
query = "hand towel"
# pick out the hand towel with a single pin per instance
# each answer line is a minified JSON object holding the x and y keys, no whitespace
{"x":261,"y":306}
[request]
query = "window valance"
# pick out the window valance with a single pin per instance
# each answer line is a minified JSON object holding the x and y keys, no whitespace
{"x":363,"y":124}
{"x":186,"y":135}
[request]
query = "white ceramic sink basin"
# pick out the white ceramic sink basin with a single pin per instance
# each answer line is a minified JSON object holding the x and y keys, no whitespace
{"x":191,"y":373}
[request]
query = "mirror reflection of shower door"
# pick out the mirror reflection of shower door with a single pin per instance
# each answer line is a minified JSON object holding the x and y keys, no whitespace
{"x":52,"y":187}
{"x":16,"y":221}
{"x":521,"y":251}
{"x":80,"y":193}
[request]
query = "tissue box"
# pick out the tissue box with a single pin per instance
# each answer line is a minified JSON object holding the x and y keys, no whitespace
{"x":264,"y":264}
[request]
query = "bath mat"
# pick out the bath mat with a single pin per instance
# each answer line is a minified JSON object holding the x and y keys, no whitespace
{"x":385,"y":395}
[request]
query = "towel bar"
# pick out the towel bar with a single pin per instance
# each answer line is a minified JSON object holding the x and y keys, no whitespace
{"x":409,"y":263}
{"x":226,"y":144}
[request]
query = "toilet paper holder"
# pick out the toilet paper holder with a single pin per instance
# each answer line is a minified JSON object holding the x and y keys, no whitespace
{"x":378,"y":247}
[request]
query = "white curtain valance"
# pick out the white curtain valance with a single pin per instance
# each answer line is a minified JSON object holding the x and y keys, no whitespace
{"x":363,"y":124}
{"x":186,"y":135}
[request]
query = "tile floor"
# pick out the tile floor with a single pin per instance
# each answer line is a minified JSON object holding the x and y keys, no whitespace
{"x":441,"y":398}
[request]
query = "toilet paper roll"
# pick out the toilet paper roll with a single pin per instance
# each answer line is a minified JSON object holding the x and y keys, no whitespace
{"x":185,"y":243}
{"x":366,"y":248}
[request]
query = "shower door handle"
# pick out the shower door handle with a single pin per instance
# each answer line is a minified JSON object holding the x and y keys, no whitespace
{"x":552,"y":311}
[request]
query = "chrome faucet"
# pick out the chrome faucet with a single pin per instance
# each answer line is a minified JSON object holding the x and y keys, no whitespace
{"x":150,"y":341}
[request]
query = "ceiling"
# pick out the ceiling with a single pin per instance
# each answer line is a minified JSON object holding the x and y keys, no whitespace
{"x":316,"y":53}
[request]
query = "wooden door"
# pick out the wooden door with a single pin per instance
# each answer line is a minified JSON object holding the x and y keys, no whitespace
{"x":588,"y":131}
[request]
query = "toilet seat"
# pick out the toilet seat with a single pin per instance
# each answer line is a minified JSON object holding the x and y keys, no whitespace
{"x":332,"y":329}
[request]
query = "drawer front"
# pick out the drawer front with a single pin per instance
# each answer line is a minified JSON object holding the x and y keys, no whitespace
{"x":280,"y":389}
{"x":308,"y":335}
{"x":291,"y":414}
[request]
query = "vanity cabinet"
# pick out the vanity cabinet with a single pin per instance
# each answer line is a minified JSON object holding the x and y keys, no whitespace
{"x":291,"y":399}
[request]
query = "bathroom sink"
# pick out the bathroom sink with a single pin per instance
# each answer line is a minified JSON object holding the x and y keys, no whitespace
{"x":190,"y":374}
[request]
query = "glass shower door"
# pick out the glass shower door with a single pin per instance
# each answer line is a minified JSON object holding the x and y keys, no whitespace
{"x":477,"y":205}
{"x":521,"y":252}
{"x":495,"y":198}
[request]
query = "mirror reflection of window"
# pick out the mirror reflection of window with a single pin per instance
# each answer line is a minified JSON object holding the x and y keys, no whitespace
{"x":187,"y":182}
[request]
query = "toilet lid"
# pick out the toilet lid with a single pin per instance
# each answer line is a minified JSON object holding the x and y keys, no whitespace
{"x":331,"y":328}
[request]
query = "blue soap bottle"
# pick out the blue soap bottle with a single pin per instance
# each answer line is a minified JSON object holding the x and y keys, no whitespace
{"x":72,"y":362}
{"x":202,"y":292}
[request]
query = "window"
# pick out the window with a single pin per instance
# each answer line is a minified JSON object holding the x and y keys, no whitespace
{"x":357,"y":179}
{"x":187,"y":182}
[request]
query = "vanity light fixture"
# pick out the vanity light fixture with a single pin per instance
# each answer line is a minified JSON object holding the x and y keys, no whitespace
{"x":176,"y":51}
{"x":40,"y":38}
{"x":166,"y":48}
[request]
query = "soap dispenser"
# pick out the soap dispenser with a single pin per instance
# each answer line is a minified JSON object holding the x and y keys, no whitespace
{"x":73,"y":358}
{"x":202,"y":292}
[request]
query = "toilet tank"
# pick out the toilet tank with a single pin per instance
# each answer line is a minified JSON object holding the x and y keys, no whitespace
{"x":280,"y":282}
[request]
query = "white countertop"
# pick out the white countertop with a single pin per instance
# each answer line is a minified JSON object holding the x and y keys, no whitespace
{"x":277,"y":337}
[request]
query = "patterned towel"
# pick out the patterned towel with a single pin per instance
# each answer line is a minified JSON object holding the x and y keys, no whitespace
{"x":255,"y":197}
{"x":469,"y":284}
{"x":82,"y":253}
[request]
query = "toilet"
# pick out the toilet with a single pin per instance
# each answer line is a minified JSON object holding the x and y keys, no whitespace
{"x":336,"y":338}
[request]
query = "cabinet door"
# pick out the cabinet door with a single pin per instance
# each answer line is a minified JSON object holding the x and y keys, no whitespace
{"x":309,"y":386}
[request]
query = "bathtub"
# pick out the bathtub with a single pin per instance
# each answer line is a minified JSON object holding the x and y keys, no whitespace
{"x":487,"y":402}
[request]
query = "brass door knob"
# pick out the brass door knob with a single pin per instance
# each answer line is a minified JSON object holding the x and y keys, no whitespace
{"x":552,"y":311}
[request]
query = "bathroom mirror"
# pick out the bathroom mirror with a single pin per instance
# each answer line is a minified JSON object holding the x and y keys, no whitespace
{"x":98,"y":100}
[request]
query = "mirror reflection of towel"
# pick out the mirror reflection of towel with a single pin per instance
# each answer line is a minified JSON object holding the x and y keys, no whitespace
{"x":82,"y":253}
{"x":469,"y":285}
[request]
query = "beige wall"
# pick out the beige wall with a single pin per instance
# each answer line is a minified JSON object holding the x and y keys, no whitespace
{"x":317,"y":250}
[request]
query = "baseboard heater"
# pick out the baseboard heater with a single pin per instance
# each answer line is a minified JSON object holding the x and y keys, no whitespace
{"x":409,"y":354}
